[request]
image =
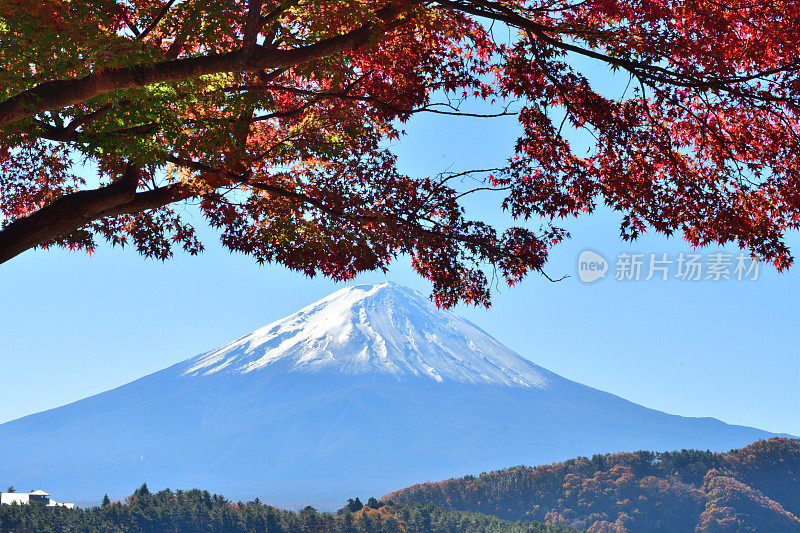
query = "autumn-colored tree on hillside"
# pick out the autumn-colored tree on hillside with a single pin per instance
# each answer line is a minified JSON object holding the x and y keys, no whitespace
{"x":272,"y":116}
{"x":750,"y":489}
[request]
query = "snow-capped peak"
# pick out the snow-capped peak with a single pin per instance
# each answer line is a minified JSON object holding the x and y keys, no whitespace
{"x":385,"y":329}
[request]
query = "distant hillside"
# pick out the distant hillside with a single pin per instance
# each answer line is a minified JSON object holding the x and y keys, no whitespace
{"x":756,"y":488}
{"x":199,"y":511}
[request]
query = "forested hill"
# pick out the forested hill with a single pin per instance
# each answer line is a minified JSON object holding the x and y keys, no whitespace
{"x":756,"y":488}
{"x":197,"y":511}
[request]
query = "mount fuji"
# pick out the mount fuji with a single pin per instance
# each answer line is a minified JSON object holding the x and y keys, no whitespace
{"x":363,"y":392}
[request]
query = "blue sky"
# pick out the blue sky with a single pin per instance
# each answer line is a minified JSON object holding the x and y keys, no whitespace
{"x":73,"y":325}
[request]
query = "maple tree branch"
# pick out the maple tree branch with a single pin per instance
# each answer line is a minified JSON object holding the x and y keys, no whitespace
{"x":653,"y":72}
{"x":126,"y":19}
{"x":66,"y":214}
{"x":358,"y":218}
{"x":69,"y":132}
{"x":150,"y":27}
{"x":253,"y":24}
{"x":275,"y":13}
{"x":67,"y":135}
{"x":152,"y":199}
{"x":413,"y":223}
{"x":345,"y":95}
{"x":57,"y":94}
{"x":89,"y":117}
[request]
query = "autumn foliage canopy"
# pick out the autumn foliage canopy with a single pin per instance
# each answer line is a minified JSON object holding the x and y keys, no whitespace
{"x":273,"y":118}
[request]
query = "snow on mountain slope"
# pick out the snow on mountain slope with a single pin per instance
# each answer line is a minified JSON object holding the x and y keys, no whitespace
{"x":385,"y":329}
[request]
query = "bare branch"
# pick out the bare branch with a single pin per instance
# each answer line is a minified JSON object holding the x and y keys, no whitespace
{"x":150,"y":27}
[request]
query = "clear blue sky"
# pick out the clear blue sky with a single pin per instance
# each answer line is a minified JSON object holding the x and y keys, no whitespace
{"x":73,"y":325}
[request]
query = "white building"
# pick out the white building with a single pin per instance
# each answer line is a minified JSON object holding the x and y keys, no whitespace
{"x":37,"y":496}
